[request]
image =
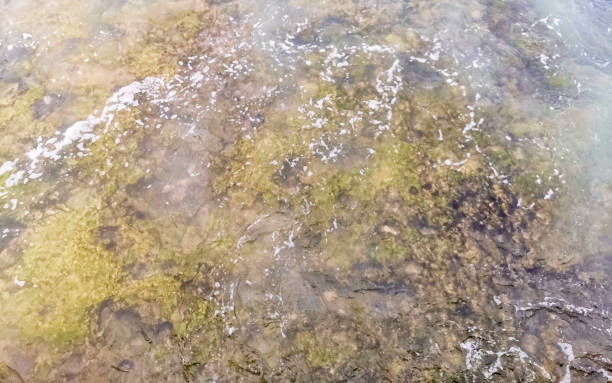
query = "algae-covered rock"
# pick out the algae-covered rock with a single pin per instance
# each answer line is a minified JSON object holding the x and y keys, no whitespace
{"x":298,"y":191}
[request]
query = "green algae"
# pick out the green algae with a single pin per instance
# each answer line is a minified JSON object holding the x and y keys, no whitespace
{"x":392,"y":167}
{"x":9,"y":375}
{"x":157,"y":51}
{"x":388,"y":202}
{"x":501,"y":157}
{"x":389,"y":252}
{"x":167,"y":38}
{"x":250,"y":174}
{"x":18,"y":114}
{"x":67,"y":274}
{"x":69,"y":269}
{"x":559,"y":81}
{"x":395,"y":163}
{"x":110,"y":159}
{"x":199,"y":329}
{"x":324,"y":352}
{"x":20,"y":110}
{"x":159,"y":290}
{"x":343,"y":250}
{"x":198,"y":316}
{"x":17,"y":122}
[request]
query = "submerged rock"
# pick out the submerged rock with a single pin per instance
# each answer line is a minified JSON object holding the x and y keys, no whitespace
{"x":301,"y":191}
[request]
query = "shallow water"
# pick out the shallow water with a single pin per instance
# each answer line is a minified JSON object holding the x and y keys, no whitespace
{"x":306,"y":191}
